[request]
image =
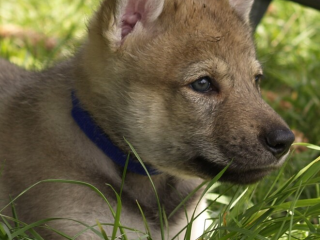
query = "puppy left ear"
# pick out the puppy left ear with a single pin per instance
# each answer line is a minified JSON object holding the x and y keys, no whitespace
{"x":116,"y":19}
{"x":145,"y":11}
{"x":242,"y":7}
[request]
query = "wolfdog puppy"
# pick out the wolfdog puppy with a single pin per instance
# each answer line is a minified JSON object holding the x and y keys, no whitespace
{"x":178,"y":79}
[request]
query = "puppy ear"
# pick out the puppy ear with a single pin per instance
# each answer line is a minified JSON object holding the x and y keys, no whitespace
{"x":134,"y":11}
{"x":242,"y":7}
{"x":119,"y":18}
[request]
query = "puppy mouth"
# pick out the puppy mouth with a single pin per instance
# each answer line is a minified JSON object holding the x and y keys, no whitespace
{"x":282,"y":159}
{"x":244,"y":174}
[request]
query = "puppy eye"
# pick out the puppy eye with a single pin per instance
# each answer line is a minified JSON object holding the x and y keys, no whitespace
{"x":202,"y":85}
{"x":257,"y":79}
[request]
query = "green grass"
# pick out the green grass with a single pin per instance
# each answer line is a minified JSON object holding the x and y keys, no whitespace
{"x":271,"y":209}
{"x":280,"y":213}
{"x":61,"y":24}
{"x":285,"y":204}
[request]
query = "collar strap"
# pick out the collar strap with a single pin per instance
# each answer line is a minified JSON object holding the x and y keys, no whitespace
{"x":96,"y":135}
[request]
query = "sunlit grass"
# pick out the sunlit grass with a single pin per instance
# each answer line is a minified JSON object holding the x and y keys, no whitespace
{"x":280,"y":213}
{"x":49,"y":30}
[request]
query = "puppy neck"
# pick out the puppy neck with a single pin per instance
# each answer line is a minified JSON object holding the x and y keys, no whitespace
{"x":102,"y":141}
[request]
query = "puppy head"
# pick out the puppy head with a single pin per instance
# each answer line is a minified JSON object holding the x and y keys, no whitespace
{"x":179,"y":79}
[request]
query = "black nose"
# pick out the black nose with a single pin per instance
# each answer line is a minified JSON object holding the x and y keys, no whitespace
{"x":279,"y":141}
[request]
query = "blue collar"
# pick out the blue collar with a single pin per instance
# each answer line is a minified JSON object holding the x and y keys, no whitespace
{"x":96,"y":135}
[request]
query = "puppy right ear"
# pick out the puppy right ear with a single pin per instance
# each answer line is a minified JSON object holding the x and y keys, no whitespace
{"x":242,"y":7}
{"x":117,"y":19}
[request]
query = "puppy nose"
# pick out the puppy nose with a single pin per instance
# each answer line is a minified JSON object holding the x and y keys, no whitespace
{"x":279,"y":141}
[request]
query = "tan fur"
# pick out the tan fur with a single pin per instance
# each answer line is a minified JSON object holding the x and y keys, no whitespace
{"x":137,"y":88}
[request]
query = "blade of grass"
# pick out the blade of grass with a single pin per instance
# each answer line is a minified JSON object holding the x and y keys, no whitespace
{"x":308,"y":145}
{"x":63,"y":181}
{"x":117,"y":224}
{"x":209,"y":185}
{"x":183,"y":202}
{"x":153,"y":186}
{"x":4,"y":232}
{"x":245,"y":232}
{"x":144,"y":221}
{"x":102,"y":231}
{"x":14,"y":214}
